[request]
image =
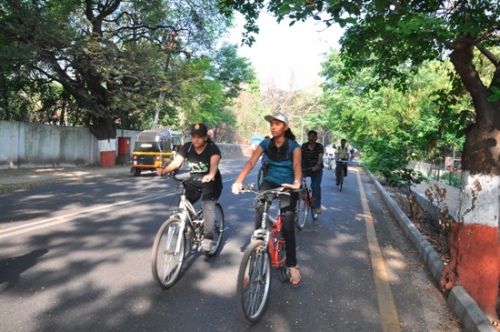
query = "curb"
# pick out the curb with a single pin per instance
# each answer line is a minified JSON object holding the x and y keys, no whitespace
{"x":465,"y":308}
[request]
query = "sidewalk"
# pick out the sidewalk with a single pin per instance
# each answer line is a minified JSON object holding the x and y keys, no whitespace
{"x":451,"y":200}
{"x":13,"y":176}
{"x":464,"y":307}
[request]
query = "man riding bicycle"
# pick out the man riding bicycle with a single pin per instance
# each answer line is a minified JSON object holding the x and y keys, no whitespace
{"x":342,"y":154}
{"x":312,"y":166}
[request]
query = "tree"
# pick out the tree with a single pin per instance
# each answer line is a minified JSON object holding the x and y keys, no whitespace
{"x":108,"y":56}
{"x":394,"y":39}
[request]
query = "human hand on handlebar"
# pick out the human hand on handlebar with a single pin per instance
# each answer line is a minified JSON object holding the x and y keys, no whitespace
{"x":207,"y":178}
{"x":236,"y":187}
{"x":295,"y":185}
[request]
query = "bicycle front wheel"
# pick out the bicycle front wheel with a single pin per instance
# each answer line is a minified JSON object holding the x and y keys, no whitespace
{"x":314,"y":215}
{"x":341,"y":180}
{"x":340,"y":177}
{"x":168,"y":253}
{"x":254,"y":281}
{"x":302,"y":210}
{"x":218,"y":230}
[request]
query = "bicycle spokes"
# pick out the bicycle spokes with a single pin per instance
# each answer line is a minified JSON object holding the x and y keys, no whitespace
{"x":168,"y":253}
{"x":255,"y":282}
{"x":254,"y":279}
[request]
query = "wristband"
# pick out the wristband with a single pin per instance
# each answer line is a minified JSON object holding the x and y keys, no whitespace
{"x":296,"y":181}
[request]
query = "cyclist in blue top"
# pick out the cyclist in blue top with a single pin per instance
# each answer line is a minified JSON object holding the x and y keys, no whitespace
{"x":284,"y":171}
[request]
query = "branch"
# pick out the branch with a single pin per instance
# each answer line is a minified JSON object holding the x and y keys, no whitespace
{"x":490,"y":56}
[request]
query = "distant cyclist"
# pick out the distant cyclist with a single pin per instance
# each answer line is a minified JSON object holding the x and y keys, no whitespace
{"x":343,"y":154}
{"x":330,"y":154}
{"x":264,"y":160}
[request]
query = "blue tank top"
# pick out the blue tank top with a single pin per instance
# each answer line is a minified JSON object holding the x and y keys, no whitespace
{"x":280,"y":161}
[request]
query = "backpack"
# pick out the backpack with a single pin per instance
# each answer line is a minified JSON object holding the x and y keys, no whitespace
{"x":279,"y":155}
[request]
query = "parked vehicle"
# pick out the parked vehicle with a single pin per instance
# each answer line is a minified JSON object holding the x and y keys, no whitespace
{"x":154,"y":148}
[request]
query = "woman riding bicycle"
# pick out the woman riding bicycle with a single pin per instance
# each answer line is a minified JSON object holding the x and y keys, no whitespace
{"x":284,"y":171}
{"x":203,"y":157}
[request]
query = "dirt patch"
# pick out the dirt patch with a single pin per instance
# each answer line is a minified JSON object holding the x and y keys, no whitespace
{"x":428,"y":227}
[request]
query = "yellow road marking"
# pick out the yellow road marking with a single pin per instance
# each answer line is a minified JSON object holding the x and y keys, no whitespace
{"x":389,"y":319}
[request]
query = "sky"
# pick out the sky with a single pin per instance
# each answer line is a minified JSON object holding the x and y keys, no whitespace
{"x":288,"y":57}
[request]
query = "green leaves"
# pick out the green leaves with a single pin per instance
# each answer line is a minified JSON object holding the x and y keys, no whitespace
{"x":112,"y":59}
{"x":495,"y":96}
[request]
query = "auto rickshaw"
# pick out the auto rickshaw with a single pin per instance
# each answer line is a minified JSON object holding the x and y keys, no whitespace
{"x":154,"y":148}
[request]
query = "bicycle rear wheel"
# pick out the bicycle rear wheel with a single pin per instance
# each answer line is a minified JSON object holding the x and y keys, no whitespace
{"x":218,"y":230}
{"x":254,"y":281}
{"x":168,"y":253}
{"x":302,"y":210}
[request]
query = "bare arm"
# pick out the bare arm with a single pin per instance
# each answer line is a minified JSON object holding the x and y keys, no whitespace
{"x":297,"y":170}
{"x":175,"y":164}
{"x":238,"y":183}
{"x":320,"y":160}
{"x":214,"y":166}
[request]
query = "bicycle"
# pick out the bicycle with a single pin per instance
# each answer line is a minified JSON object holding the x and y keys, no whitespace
{"x":339,"y":172}
{"x":262,"y":173}
{"x":169,"y":246}
{"x":304,"y":205}
{"x":266,"y":250}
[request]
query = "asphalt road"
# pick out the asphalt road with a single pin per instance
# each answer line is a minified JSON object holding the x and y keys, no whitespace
{"x":75,"y":255}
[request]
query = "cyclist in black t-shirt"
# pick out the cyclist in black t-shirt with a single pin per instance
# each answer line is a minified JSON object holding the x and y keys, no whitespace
{"x":203,"y":158}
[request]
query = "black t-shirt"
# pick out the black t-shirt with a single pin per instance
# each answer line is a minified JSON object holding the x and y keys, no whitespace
{"x":310,"y":157}
{"x":199,"y":164}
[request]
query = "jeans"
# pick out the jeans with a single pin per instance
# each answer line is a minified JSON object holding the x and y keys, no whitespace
{"x":316,"y":178}
{"x":209,"y":193}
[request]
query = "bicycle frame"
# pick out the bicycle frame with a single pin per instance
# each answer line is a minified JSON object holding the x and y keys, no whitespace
{"x":186,"y":212}
{"x":270,"y":237}
{"x":265,"y":252}
{"x":307,"y":190}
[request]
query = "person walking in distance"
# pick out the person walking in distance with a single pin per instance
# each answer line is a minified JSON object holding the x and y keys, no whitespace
{"x":285,"y":171}
{"x":312,"y":166}
{"x":203,"y":157}
{"x":343,"y":154}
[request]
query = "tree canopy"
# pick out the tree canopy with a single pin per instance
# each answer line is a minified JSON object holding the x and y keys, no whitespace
{"x":97,"y":62}
{"x":393,"y":40}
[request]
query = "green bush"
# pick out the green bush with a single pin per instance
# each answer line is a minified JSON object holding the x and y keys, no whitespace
{"x":455,"y":179}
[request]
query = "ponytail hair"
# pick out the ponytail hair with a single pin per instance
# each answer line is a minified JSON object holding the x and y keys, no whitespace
{"x":289,"y":134}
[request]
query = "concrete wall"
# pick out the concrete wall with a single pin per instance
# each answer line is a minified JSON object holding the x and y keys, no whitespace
{"x":28,"y":145}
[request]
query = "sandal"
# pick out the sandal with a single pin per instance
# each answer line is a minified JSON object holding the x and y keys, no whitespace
{"x":295,"y":277}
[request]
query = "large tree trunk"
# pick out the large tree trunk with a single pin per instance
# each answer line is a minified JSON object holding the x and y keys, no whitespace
{"x":474,"y":242}
{"x":104,"y":129}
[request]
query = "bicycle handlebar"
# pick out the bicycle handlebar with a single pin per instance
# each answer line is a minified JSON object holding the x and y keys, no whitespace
{"x":250,"y":188}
